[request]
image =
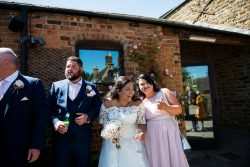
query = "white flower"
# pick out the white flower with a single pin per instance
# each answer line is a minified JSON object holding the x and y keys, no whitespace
{"x":18,"y":84}
{"x":89,"y":88}
{"x":113,"y":131}
{"x":90,"y":92}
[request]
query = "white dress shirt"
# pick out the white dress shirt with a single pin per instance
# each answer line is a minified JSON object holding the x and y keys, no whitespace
{"x":9,"y":80}
{"x":74,"y":89}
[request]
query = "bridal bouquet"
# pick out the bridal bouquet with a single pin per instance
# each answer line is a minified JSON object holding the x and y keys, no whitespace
{"x":113,"y":131}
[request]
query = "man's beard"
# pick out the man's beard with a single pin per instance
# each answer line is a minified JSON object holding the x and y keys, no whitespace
{"x":73,"y":76}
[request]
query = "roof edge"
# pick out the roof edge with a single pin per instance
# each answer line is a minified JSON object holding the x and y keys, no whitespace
{"x":168,"y":13}
{"x":115,"y":16}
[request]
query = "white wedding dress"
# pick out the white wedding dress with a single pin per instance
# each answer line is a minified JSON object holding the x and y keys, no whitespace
{"x":132,"y":152}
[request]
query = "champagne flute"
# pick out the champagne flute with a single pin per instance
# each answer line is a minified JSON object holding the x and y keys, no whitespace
{"x":138,"y":134}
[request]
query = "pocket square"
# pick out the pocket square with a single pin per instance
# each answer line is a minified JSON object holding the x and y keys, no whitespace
{"x":24,"y":99}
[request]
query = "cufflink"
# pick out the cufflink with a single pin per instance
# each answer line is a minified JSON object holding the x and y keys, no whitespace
{"x":88,"y":121}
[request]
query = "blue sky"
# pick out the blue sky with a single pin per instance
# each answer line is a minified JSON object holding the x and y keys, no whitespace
{"x":92,"y":58}
{"x":147,"y":8}
{"x":198,"y":71}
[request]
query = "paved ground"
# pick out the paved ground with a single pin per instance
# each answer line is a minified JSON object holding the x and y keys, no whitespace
{"x":233,"y":151}
{"x":206,"y":133}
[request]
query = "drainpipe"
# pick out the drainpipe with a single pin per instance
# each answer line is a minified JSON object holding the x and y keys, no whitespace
{"x":24,"y":13}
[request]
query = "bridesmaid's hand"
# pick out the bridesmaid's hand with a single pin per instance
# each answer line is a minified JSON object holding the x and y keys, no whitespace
{"x":161,"y":105}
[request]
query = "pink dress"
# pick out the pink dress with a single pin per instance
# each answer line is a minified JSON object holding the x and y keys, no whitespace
{"x":164,"y":147}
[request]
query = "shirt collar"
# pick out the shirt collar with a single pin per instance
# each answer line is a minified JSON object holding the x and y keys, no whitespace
{"x":12,"y":77}
{"x":78,"y":83}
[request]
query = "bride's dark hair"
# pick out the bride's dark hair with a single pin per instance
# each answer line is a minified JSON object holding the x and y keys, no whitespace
{"x":120,"y":82}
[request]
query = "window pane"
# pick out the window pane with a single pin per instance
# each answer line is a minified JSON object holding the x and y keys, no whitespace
{"x":197,"y":102}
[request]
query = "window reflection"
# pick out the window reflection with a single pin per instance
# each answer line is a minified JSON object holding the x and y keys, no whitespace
{"x":100,"y":67}
{"x":197,"y":102}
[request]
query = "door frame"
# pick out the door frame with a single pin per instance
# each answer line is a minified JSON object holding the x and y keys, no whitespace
{"x":214,"y":142}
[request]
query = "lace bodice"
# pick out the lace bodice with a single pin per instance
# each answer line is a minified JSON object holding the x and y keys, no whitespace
{"x":128,"y":154}
{"x":129,"y":116}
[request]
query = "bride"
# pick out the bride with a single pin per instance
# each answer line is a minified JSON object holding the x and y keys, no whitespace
{"x":120,"y":106}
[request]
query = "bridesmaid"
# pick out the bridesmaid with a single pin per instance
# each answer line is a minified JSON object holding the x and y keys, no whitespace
{"x":163,"y":143}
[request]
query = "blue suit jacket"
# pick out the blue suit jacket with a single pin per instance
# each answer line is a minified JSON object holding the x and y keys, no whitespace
{"x":25,"y":121}
{"x":90,"y":105}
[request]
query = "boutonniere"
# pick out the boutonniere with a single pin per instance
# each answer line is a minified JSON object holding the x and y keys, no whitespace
{"x":18,"y":84}
{"x":89,"y":91}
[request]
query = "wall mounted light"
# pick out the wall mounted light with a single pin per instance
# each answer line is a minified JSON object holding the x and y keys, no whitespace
{"x":16,"y":23}
{"x":202,"y":38}
{"x":39,"y":41}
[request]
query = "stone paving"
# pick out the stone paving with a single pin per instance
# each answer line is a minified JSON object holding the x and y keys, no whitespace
{"x":233,"y":151}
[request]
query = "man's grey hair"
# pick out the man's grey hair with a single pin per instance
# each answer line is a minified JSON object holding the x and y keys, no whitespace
{"x":9,"y":54}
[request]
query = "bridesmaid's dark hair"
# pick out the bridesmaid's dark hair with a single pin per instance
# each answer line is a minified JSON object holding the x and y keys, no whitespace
{"x":120,"y":82}
{"x":149,"y":80}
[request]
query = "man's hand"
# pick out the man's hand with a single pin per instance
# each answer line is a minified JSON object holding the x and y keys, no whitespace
{"x":33,"y":155}
{"x":61,"y":127}
{"x":81,"y":119}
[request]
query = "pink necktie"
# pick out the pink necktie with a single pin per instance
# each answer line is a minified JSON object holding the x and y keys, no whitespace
{"x":2,"y":82}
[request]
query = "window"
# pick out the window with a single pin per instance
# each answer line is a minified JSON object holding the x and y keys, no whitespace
{"x":102,"y":62}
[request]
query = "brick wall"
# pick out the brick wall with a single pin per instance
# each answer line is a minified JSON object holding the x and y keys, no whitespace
{"x":8,"y":38}
{"x":233,"y":13}
{"x":61,"y":32}
{"x":232,"y":70}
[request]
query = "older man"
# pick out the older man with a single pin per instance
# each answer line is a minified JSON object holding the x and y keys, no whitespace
{"x":23,"y":114}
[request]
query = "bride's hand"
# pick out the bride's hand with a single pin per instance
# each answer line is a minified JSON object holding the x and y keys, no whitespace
{"x":140,"y":137}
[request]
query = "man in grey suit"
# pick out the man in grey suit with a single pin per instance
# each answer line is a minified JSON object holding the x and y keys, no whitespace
{"x":23,"y":114}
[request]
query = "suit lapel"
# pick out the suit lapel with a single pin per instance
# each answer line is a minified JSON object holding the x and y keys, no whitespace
{"x":11,"y":97}
{"x":84,"y":97}
{"x":65,"y":90}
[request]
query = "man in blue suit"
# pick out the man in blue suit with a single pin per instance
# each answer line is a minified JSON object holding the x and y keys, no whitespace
{"x":79,"y":100}
{"x":23,"y":114}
